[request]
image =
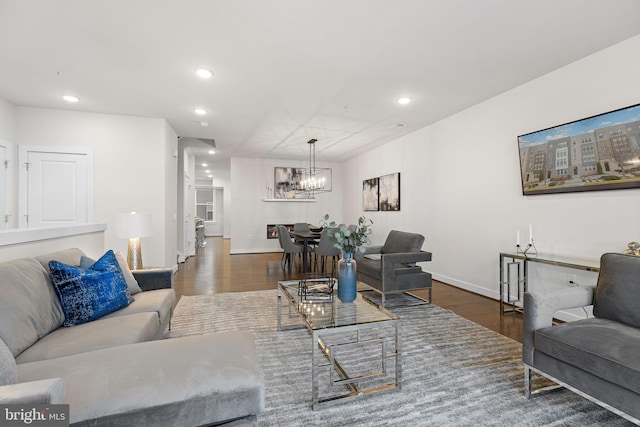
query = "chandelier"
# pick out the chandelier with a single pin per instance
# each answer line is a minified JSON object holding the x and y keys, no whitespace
{"x":313,"y":180}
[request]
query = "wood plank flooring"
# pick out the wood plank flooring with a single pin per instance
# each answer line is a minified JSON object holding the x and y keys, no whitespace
{"x":214,"y":270}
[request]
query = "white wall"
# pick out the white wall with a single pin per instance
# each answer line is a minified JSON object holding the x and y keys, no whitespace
{"x":222,"y":181}
{"x":460,"y":178}
{"x":8,"y":137}
{"x":134,"y":168}
{"x":170,"y":218}
{"x":250,"y":214}
{"x":7,"y":121}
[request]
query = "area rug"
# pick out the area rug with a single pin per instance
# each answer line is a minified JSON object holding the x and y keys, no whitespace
{"x":454,"y":372}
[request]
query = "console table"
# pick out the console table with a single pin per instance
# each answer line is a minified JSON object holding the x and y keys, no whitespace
{"x":520,"y":262}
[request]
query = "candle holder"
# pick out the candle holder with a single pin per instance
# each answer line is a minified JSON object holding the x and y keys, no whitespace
{"x":529,"y":251}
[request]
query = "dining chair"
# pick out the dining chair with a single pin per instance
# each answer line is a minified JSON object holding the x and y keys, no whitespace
{"x":324,"y":250}
{"x":290,"y":249}
{"x":300,"y":226}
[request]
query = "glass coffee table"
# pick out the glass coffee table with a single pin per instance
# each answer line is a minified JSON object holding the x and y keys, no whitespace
{"x":355,"y":346}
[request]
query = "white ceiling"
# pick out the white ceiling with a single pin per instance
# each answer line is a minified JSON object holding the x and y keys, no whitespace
{"x":287,"y":71}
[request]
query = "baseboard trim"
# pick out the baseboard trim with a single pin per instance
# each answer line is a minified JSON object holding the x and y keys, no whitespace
{"x":560,"y":315}
{"x":467,"y":286}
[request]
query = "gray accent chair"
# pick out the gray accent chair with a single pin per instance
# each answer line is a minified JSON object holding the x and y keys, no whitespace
{"x":595,"y":357}
{"x":392,"y":268}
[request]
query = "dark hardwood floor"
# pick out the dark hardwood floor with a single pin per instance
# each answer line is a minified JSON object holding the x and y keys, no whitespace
{"x":214,"y":270}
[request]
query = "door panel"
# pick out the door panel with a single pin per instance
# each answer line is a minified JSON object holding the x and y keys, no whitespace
{"x":4,"y":176}
{"x":57,"y":189}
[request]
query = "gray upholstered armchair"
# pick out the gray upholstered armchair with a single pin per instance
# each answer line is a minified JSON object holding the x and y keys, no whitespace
{"x":392,"y":268}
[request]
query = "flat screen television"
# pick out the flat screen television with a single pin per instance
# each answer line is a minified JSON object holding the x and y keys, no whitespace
{"x":595,"y":153}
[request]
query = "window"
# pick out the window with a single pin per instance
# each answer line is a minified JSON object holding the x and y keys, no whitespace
{"x":204,"y":204}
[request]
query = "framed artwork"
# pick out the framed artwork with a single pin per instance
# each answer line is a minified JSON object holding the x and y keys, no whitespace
{"x":285,"y":181}
{"x":370,"y":194}
{"x":595,"y":153}
{"x":389,"y":192}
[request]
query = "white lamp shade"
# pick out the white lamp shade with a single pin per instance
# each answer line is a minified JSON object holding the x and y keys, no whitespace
{"x":133,"y":225}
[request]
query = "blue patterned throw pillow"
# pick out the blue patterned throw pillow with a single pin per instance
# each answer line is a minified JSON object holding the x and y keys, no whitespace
{"x":87,"y":294}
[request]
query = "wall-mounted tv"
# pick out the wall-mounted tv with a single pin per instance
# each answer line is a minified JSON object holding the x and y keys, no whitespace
{"x":595,"y":153}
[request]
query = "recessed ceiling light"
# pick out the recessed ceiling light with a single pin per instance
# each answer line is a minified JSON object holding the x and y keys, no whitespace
{"x":207,"y":171}
{"x":210,"y":176}
{"x":404,"y":100}
{"x":204,"y":165}
{"x":204,"y":124}
{"x":200,"y":111}
{"x":212,"y":151}
{"x":70,"y":98}
{"x":204,"y":73}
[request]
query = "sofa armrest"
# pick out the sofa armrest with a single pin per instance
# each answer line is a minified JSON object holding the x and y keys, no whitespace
{"x":154,"y":278}
{"x":50,"y":391}
{"x":539,"y":309}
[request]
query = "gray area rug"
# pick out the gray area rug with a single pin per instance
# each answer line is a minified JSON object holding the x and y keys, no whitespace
{"x":454,"y":372}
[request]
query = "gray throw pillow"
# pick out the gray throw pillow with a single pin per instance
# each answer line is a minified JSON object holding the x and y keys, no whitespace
{"x":8,"y":371}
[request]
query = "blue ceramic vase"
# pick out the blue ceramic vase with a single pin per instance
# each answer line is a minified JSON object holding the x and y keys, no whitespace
{"x":347,"y":272}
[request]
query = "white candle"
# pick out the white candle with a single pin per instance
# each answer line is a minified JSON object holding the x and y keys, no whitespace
{"x":518,"y":237}
{"x":530,"y":234}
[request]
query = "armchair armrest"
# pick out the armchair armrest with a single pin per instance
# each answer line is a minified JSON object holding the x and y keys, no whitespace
{"x":539,"y":309}
{"x":50,"y":391}
{"x":388,"y":260}
{"x":368,"y":250}
{"x":154,"y":278}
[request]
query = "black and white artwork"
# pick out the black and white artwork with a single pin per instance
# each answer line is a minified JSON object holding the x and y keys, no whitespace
{"x":389,"y":192}
{"x":370,"y":194}
{"x":286,"y":180}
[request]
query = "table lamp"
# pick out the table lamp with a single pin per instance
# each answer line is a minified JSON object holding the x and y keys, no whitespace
{"x":133,"y":226}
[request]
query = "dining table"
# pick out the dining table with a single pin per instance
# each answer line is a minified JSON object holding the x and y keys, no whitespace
{"x":306,"y":237}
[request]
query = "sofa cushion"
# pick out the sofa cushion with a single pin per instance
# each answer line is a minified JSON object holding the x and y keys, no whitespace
{"x":132,"y":283}
{"x":602,"y":347}
{"x":400,"y":241}
{"x":99,"y":334}
{"x":618,"y":290}
{"x":29,"y":306}
{"x":196,"y":380}
{"x":159,"y":301}
{"x":8,"y":370}
{"x":68,"y":256}
{"x":88,"y":294}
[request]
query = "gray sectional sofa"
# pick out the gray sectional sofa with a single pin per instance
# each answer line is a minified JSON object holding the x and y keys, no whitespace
{"x":596,"y":357}
{"x":115,"y":370}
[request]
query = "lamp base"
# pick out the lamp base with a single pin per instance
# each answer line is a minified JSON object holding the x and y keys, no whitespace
{"x":134,"y":254}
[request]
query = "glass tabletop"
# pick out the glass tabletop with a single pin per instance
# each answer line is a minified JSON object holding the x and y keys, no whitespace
{"x":333,"y":313}
{"x":558,"y":260}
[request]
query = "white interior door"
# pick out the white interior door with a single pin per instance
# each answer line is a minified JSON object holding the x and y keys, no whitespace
{"x":189,"y":222}
{"x":4,"y":195}
{"x":57,"y":188}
